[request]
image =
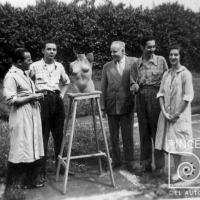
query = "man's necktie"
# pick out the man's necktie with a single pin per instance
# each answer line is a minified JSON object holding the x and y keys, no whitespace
{"x":119,"y":68}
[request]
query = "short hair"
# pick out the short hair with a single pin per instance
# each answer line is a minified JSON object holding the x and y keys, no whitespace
{"x":120,"y":43}
{"x":179,"y":48}
{"x":48,"y":42}
{"x":18,"y":54}
{"x":146,"y":38}
{"x":175,"y":46}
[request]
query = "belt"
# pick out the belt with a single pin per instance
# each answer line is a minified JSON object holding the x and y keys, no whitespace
{"x":47,"y":92}
{"x":149,"y":87}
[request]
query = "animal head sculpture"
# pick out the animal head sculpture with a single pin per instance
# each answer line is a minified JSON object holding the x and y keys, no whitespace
{"x":81,"y":73}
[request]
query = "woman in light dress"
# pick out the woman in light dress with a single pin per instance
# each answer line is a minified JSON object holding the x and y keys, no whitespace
{"x":174,"y":130}
{"x":25,"y":130}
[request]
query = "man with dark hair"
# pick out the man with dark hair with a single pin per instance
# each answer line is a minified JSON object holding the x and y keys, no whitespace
{"x":25,"y":130}
{"x":18,"y":54}
{"x":48,"y":74}
{"x":118,"y":103}
{"x":147,"y":72}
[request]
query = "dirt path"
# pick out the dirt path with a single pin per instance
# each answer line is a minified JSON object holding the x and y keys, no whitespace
{"x":90,"y":186}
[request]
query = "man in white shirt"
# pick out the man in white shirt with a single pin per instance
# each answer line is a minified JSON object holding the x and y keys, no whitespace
{"x":48,"y":75}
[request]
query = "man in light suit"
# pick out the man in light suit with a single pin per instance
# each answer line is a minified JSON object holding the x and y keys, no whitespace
{"x":118,"y":103}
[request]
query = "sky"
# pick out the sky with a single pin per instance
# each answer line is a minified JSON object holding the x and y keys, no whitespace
{"x":191,"y":4}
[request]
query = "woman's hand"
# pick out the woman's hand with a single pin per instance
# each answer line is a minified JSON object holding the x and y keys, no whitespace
{"x":167,"y":115}
{"x":174,"y":117}
{"x":37,"y":96}
{"x":28,"y":99}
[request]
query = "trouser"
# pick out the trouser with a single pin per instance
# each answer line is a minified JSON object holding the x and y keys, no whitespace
{"x":148,"y":110}
{"x":125,"y":122}
{"x":23,"y":173}
{"x":52,"y":115}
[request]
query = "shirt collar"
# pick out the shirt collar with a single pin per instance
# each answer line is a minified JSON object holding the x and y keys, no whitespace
{"x":152,"y":60}
{"x":16,"y":70}
{"x":122,"y":61}
{"x":45,"y":64}
{"x":182,"y":68}
{"x":139,"y":61}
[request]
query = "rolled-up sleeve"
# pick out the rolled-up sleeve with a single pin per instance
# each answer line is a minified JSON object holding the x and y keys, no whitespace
{"x":9,"y":90}
{"x":64,"y":77}
{"x":161,"y":90}
{"x":188,"y":92}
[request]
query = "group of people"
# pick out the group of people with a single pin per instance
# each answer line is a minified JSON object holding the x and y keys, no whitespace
{"x":35,"y":93}
{"x":160,"y":95}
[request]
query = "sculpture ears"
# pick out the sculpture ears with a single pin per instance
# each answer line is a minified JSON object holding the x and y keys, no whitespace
{"x":90,"y":57}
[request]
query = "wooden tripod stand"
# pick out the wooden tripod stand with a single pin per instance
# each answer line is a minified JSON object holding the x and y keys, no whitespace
{"x":65,"y":161}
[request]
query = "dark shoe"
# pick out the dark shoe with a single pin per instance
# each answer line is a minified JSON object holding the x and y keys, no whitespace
{"x":148,"y":169}
{"x":43,"y":178}
{"x":136,"y":172}
{"x":27,"y":186}
{"x":116,"y":166}
{"x":143,"y":170}
{"x":158,"y":173}
{"x":17,"y":186}
{"x":129,"y":168}
{"x":38,"y":181}
{"x":146,"y":166}
{"x":38,"y":184}
{"x":22,"y":186}
{"x":139,"y":172}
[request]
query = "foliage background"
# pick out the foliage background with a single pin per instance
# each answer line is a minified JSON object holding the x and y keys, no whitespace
{"x":88,"y":28}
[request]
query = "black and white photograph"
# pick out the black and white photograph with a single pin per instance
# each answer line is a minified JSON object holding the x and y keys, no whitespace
{"x":99,"y":99}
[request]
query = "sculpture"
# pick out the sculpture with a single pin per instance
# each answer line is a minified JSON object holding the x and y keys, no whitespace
{"x":81,"y":73}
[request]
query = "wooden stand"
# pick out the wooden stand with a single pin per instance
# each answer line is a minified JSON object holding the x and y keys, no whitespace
{"x":65,"y":161}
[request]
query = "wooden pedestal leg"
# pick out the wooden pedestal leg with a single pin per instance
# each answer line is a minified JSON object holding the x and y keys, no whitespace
{"x":106,"y":143}
{"x":70,"y":147}
{"x":63,"y":140}
{"x":96,"y":135}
